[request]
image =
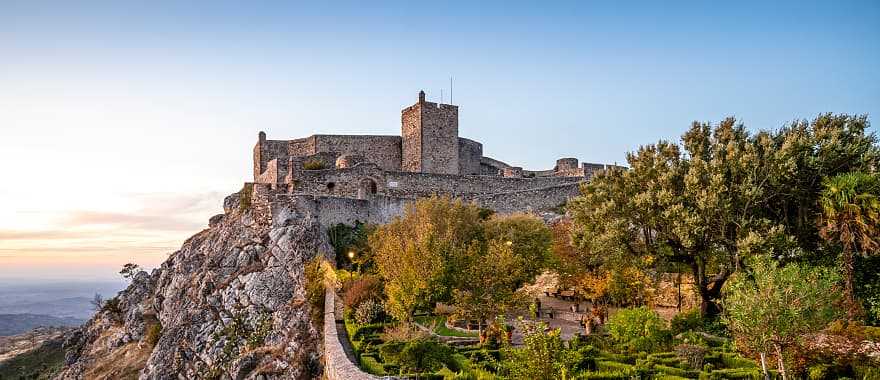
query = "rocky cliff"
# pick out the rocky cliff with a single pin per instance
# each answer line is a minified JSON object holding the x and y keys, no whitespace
{"x":230,"y":303}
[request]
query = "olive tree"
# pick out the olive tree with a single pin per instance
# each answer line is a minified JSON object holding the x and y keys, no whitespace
{"x":770,"y":308}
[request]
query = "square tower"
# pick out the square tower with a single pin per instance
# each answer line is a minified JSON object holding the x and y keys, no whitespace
{"x":430,"y":137}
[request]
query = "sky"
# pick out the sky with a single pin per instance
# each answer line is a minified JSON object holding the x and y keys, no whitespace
{"x":124,"y":124}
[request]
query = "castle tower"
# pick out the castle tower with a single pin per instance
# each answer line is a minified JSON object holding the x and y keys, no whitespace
{"x":430,"y":137}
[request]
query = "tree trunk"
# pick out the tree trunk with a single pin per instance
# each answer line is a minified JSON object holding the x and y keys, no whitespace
{"x":781,"y":361}
{"x":764,"y":366}
{"x":849,"y":273}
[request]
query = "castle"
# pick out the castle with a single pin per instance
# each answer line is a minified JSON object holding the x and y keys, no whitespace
{"x":427,"y":158}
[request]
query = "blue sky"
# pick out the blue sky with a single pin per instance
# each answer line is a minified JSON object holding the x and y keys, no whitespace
{"x":132,"y":108}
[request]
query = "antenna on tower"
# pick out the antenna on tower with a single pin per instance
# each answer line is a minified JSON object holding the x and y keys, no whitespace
{"x":441,"y":96}
{"x":450,"y":89}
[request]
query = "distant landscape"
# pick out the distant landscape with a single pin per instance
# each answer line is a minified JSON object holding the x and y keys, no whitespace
{"x":26,"y":305}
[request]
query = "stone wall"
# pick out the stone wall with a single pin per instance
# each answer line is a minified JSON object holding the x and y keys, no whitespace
{"x":403,"y":184}
{"x":469,"y":154}
{"x":411,"y":135}
{"x":267,"y":150}
{"x":384,"y":151}
{"x":430,"y":137}
{"x":337,"y":365}
{"x":528,"y":200}
{"x":440,"y":138}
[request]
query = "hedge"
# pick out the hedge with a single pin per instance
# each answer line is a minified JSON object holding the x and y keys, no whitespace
{"x":371,"y":366}
{"x":736,"y":361}
{"x":603,"y":375}
{"x":610,"y":366}
{"x":666,"y":370}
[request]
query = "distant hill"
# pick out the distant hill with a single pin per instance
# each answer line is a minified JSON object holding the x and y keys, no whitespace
{"x":71,"y":307}
{"x":12,"y":324}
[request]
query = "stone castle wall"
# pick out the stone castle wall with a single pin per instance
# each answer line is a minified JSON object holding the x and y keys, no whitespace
{"x":384,"y":151}
{"x":430,"y":137}
{"x":411,"y":135}
{"x":469,"y":154}
{"x":439,"y":138}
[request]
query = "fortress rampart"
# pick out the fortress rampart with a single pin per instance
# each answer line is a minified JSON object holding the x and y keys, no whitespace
{"x":369,"y":177}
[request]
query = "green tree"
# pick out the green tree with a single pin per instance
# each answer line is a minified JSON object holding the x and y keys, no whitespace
{"x":771,"y":307}
{"x":722,"y":195}
{"x":529,"y":239}
{"x":543,"y":356}
{"x":422,"y":254}
{"x":692,"y":207}
{"x":493,"y":279}
{"x":851,"y":219}
{"x":641,"y":329}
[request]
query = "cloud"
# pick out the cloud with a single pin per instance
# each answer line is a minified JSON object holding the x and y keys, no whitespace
{"x":46,"y":235}
{"x":131,"y":221}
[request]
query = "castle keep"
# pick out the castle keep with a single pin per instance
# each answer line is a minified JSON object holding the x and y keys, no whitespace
{"x":427,"y":158}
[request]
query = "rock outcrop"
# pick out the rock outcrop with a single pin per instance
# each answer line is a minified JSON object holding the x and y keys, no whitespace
{"x":230,"y":303}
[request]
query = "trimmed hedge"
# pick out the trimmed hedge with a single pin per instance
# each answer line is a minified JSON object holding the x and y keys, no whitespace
{"x":666,"y":370}
{"x":603,"y":375}
{"x":611,"y":366}
{"x":371,"y":366}
{"x":732,"y":374}
{"x":736,"y":361}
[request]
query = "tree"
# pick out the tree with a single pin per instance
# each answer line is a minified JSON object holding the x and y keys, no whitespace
{"x":543,"y":356}
{"x":722,"y":195}
{"x":422,"y":254}
{"x":692,"y":207}
{"x":851,"y":219}
{"x":97,"y":302}
{"x":529,"y":239}
{"x":771,"y":307}
{"x":129,"y":271}
{"x":493,"y":279}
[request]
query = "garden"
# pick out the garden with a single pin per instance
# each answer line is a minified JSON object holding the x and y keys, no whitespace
{"x":777,"y":233}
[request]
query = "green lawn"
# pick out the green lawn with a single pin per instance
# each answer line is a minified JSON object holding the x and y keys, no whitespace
{"x":440,"y":328}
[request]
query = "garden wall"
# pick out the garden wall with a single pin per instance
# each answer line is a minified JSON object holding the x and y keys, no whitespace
{"x":337,"y":366}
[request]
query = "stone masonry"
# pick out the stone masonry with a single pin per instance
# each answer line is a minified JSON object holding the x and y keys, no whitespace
{"x":428,"y":158}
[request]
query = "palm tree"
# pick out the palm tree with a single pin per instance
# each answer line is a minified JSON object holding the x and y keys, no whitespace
{"x":851,"y":218}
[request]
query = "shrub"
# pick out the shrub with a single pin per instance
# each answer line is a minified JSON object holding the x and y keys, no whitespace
{"x":316,"y":272}
{"x":154,"y":331}
{"x":313,"y":164}
{"x":369,"y":311}
{"x":360,"y":290}
{"x":736,"y":361}
{"x":244,"y":196}
{"x":369,"y":364}
{"x":733,"y":374}
{"x":390,"y":351}
{"x":686,"y":321}
{"x":603,"y":375}
{"x":662,"y":369}
{"x":113,"y":309}
{"x":403,"y":332}
{"x":639,"y":329}
{"x":691,"y":354}
{"x":425,"y":355}
{"x":691,"y":320}
{"x":604,"y":365}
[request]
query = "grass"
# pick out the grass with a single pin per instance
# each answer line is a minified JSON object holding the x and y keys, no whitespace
{"x":44,"y":362}
{"x":440,"y":326}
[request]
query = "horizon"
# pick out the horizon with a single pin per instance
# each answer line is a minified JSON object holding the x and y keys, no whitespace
{"x":124,"y":126}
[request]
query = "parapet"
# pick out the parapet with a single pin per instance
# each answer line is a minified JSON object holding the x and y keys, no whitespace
{"x":567,"y":163}
{"x":512,"y":172}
